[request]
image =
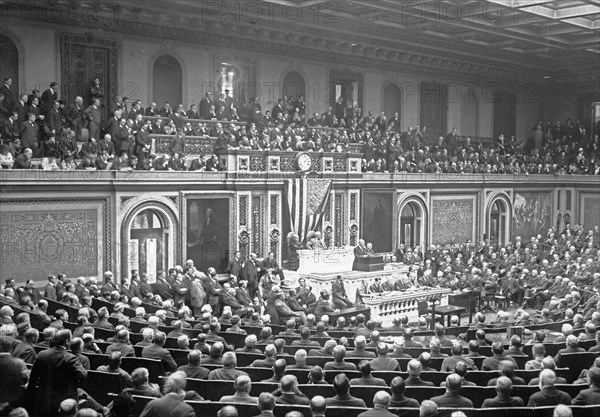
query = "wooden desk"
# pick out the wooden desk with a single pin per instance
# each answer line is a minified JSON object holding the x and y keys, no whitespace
{"x":445,"y":311}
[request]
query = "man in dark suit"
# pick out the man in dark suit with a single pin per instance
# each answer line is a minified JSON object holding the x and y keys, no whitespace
{"x":249,"y":273}
{"x":20,"y":107}
{"x":48,"y":98}
{"x":93,"y":115}
{"x":10,"y":130}
{"x":590,"y":396}
{"x":266,"y":404}
{"x":162,"y":287}
{"x":55,"y":376}
{"x":340,"y":298}
{"x":109,"y":283}
{"x":548,"y":394}
{"x":157,"y":351}
{"x":235,"y":266}
{"x":213,"y":292}
{"x":172,"y":404}
{"x":341,"y":386}
{"x":359,"y":251}
{"x":398,"y":388}
{"x":452,"y":142}
{"x":381,"y":402}
{"x":452,"y":397}
{"x":143,"y":142}
{"x":205,"y":105}
{"x":50,"y":288}
{"x":29,"y":133}
{"x":54,"y":118}
{"x":503,"y":399}
{"x":414,"y":375}
{"x":75,"y":117}
{"x":323,"y":307}
{"x":8,"y":92}
{"x":270,"y":263}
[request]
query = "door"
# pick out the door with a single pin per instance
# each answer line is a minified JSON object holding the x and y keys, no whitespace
{"x":148,"y":244}
{"x":85,"y":58}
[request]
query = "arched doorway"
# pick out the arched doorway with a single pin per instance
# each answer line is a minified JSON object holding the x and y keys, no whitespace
{"x":392,"y":100}
{"x":294,"y":85}
{"x":148,"y":243}
{"x":412,"y":225}
{"x":9,"y":64}
{"x":167,"y":81}
{"x":469,"y":115}
{"x":497,"y":222}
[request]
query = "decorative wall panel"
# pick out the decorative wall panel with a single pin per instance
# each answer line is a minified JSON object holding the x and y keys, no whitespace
{"x":354,"y":221}
{"x":275,"y":238}
{"x":257,"y":228}
{"x":339,"y":219}
{"x":243,"y":236}
{"x":453,"y":219}
{"x":590,"y":211}
{"x":40,"y":237}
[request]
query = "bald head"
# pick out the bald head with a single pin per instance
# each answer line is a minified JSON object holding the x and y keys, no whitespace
{"x":317,"y":405}
{"x":428,"y":409}
{"x":414,"y":367}
{"x":504,"y":385}
{"x":547,"y":378}
{"x":339,"y":352}
{"x":453,"y":382}
{"x":382,"y":398}
{"x":227,"y":411}
{"x":229,"y":360}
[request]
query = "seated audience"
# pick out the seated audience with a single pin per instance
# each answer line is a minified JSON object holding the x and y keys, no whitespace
{"x":242,"y":386}
{"x":398,"y":388}
{"x":503,"y":399}
{"x":341,"y":386}
{"x":548,"y":394}
{"x":367,"y":379}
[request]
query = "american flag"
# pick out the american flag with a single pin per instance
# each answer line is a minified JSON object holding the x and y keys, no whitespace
{"x":307,"y":199}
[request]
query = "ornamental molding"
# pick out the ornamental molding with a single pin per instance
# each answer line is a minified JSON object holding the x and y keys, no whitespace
{"x":275,"y":41}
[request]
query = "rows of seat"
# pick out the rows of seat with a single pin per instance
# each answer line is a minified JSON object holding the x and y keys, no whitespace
{"x":214,"y":390}
{"x":210,"y":409}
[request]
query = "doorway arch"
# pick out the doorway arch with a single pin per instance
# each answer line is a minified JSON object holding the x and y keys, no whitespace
{"x":412,"y":223}
{"x":498,"y":221}
{"x":294,"y":85}
{"x":148,"y":240}
{"x":9,"y":64}
{"x":392,"y":100}
{"x":167,"y":81}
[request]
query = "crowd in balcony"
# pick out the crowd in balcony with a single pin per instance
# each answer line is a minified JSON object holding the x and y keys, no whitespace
{"x":100,"y":135}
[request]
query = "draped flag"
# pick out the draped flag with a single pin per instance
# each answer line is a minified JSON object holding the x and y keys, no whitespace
{"x":307,"y":199}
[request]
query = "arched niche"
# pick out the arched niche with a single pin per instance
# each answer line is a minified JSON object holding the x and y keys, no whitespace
{"x":167,"y":81}
{"x":392,"y":100}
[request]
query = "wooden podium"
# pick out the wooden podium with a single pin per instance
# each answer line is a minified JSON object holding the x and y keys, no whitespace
{"x":369,"y":263}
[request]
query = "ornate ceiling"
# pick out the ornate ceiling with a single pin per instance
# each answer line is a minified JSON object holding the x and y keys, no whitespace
{"x":552,"y":41}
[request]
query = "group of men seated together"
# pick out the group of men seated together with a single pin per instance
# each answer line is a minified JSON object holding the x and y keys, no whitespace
{"x":558,"y":272}
{"x":366,"y":357}
{"x":286,"y":327}
{"x":41,"y":125}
